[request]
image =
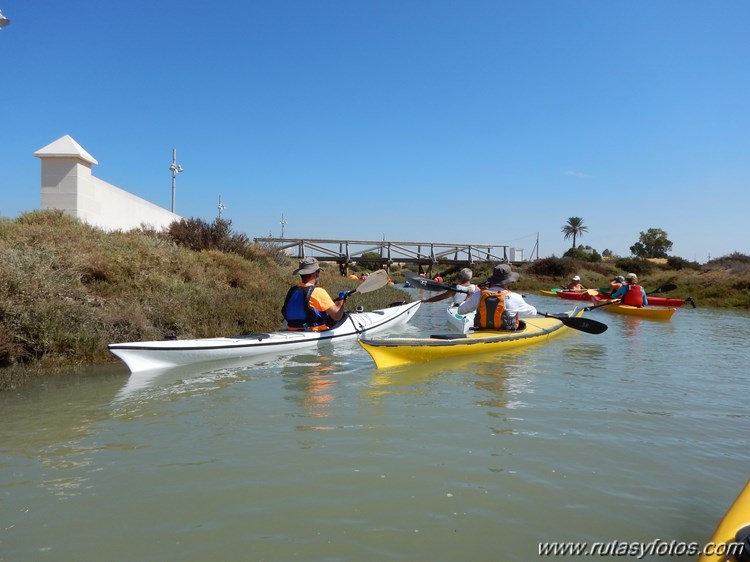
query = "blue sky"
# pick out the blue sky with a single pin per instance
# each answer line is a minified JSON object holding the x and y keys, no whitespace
{"x":473,"y":122}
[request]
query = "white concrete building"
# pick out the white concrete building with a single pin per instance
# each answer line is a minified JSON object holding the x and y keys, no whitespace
{"x":68,"y":185}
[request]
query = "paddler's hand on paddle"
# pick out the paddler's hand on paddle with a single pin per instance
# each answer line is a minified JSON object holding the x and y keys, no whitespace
{"x":342,"y":296}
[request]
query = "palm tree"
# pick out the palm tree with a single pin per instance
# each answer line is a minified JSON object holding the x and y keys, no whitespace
{"x":574,"y":227}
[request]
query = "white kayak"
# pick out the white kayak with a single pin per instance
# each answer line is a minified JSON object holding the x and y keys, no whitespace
{"x":149,"y":355}
{"x":462,"y":322}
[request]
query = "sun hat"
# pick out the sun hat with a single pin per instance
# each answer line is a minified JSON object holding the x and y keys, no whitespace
{"x":632,"y":276}
{"x":306,"y":267}
{"x":576,"y":278}
{"x":502,"y":274}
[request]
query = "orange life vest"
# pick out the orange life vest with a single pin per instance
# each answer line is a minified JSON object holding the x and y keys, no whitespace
{"x":491,"y":310}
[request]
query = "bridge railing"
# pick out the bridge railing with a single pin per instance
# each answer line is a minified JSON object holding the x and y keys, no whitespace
{"x":345,"y":252}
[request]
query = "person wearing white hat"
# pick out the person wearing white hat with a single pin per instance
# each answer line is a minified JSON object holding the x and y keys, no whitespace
{"x":631,"y":293}
{"x":575,"y":284}
{"x":308,"y":307}
{"x":497,"y":307}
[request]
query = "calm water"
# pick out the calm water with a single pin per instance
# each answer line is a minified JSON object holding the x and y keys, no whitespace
{"x":633,"y":435}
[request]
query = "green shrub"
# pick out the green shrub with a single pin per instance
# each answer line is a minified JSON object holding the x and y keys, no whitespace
{"x":735,"y":262}
{"x":674,"y":262}
{"x":553,"y":267}
{"x":585,"y":254}
{"x":638,"y":266}
{"x":198,"y":235}
{"x":369,"y":261}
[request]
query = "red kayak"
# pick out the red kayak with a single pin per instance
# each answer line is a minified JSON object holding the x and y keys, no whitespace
{"x":590,"y":293}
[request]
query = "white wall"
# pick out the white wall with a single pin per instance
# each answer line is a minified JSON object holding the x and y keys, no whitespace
{"x":69,"y":185}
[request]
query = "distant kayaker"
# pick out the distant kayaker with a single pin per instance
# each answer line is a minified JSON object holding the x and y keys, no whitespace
{"x":616,"y":283}
{"x":464,"y":289}
{"x":575,"y":284}
{"x":631,"y":293}
{"x":498,"y":308}
{"x":308,"y":307}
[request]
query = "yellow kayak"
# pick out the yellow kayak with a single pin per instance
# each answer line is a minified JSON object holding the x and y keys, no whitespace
{"x":727,"y":534}
{"x":391,"y":352}
{"x":648,"y":312}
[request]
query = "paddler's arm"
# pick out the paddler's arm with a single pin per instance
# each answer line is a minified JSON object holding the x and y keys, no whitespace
{"x":516,"y":305}
{"x":440,"y":297}
{"x":619,"y":292}
{"x":337,"y":310}
{"x":321,"y":300}
{"x":470,"y":304}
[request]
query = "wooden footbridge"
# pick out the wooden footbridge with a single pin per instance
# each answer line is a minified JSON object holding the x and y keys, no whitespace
{"x":426,"y":255}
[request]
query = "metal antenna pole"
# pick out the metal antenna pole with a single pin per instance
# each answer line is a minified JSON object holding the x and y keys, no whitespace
{"x":221,"y":206}
{"x":175,"y":169}
{"x":282,"y":222}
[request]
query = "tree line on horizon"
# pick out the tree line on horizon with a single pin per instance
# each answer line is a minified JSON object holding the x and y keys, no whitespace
{"x":653,"y":243}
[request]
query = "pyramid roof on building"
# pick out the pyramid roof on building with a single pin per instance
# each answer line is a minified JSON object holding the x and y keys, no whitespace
{"x":65,"y":147}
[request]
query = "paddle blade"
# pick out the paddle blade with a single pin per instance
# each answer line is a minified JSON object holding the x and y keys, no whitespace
{"x":426,"y":284}
{"x":664,"y":289}
{"x":374,"y":281}
{"x":585,"y":325}
{"x":577,"y":323}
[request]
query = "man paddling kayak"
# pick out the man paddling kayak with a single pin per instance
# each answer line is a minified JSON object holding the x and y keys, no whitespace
{"x":497,"y":307}
{"x":308,"y":307}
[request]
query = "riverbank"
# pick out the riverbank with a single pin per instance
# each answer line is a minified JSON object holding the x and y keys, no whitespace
{"x":68,"y":289}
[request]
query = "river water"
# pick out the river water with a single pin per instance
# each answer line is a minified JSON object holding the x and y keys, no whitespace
{"x":637,"y":434}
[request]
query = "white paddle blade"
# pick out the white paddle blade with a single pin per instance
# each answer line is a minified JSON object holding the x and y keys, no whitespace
{"x":374,"y":281}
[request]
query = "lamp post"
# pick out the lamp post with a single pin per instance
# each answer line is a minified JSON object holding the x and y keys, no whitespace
{"x":175,"y":169}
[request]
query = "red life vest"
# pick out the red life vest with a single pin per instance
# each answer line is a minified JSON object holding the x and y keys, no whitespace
{"x":633,"y":296}
{"x":490,"y":311}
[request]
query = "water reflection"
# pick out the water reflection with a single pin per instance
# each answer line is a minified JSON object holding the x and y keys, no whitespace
{"x":502,"y":376}
{"x":311,"y":380}
{"x":56,"y":447}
